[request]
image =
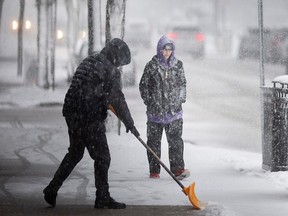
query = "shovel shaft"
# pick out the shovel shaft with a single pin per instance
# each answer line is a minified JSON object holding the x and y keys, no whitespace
{"x":162,"y":164}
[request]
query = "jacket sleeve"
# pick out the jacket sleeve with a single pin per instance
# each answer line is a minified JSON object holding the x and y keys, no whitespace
{"x":117,"y":99}
{"x":182,"y":94}
{"x":144,"y":86}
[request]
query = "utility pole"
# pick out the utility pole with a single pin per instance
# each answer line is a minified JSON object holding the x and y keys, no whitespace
{"x":260,"y":23}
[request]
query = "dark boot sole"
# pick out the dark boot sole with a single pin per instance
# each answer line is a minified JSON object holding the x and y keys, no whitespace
{"x":50,"y":198}
{"x":109,"y":207}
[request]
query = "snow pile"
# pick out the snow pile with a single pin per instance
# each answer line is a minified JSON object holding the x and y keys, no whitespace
{"x":217,"y":210}
{"x":278,"y":178}
{"x":250,"y":164}
{"x":281,"y":79}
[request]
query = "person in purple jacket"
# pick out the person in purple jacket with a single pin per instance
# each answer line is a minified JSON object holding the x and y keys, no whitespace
{"x":163,"y":90}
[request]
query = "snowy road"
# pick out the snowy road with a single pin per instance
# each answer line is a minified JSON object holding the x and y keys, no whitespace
{"x":228,"y":91}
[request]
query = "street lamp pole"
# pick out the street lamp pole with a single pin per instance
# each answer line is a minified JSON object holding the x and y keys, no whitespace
{"x":262,"y":84}
{"x":260,"y":23}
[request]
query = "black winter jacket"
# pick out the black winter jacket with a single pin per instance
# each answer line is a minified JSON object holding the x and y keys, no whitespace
{"x":96,"y":83}
{"x":163,"y":90}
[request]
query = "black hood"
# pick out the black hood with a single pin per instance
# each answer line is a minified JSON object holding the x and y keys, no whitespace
{"x":117,"y":52}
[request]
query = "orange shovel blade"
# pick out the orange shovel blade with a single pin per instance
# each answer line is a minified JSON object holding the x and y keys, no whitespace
{"x":190,"y":192}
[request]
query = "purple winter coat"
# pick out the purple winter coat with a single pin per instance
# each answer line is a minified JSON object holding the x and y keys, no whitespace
{"x":163,"y":86}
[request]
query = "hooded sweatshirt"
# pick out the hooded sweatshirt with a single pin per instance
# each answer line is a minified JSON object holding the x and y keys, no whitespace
{"x":96,"y":83}
{"x":160,"y":47}
{"x":163,"y":86}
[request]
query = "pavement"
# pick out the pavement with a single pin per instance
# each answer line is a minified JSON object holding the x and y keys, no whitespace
{"x":232,"y":182}
{"x":20,"y":204}
{"x":134,"y":210}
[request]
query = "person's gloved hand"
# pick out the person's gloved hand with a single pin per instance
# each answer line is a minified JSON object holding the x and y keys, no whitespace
{"x":133,"y":131}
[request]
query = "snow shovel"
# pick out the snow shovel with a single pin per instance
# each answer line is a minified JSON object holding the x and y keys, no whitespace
{"x":188,"y":191}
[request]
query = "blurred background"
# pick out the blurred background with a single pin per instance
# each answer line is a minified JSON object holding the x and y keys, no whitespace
{"x":224,"y":23}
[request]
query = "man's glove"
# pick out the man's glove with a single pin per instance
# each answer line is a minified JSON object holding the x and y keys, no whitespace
{"x":133,"y":131}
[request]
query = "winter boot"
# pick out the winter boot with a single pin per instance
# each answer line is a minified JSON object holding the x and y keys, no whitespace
{"x":181,"y":174}
{"x":154,"y":175}
{"x":50,"y":196}
{"x":109,"y":203}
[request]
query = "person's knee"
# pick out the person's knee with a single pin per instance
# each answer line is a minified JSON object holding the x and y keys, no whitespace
{"x":75,"y":156}
{"x":101,"y":162}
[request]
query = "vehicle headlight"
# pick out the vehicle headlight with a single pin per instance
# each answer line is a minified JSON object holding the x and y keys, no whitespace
{"x":14,"y":25}
{"x":60,"y":34}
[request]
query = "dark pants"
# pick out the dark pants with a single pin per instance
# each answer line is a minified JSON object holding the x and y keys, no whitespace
{"x":92,"y":136}
{"x":175,"y":144}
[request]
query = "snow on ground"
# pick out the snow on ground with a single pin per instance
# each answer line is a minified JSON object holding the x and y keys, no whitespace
{"x":232,"y":182}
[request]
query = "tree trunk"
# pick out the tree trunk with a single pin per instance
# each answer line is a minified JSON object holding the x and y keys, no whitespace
{"x":38,"y":6}
{"x":107,"y":28}
{"x":123,"y":19}
{"x":41,"y":43}
{"x":90,"y":26}
{"x":53,"y":38}
{"x":47,"y":50}
{"x":20,"y":38}
{"x":1,"y":5}
{"x":115,"y":22}
{"x":73,"y":9}
{"x":94,"y":26}
{"x":50,"y":8}
{"x":115,"y":19}
{"x":97,"y":26}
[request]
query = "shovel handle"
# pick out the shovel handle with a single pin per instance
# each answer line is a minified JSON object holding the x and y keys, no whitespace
{"x":162,"y":164}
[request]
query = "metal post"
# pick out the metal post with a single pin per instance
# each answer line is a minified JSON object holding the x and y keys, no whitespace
{"x":262,"y":83}
{"x":260,"y":23}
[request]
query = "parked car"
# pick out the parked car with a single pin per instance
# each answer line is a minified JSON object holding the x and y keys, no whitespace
{"x":250,"y":44}
{"x":278,"y":50}
{"x":81,"y":51}
{"x":275,"y":42}
{"x":189,"y":39}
